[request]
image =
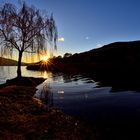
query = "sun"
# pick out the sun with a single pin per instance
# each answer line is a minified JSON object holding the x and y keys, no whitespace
{"x":44,"y":58}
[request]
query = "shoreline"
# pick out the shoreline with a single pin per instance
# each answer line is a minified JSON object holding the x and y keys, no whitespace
{"x":24,"y":117}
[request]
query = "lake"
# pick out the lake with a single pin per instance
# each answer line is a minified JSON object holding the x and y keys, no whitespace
{"x":8,"y":72}
{"x":79,"y":95}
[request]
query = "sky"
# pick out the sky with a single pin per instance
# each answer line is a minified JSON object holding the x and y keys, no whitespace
{"x":87,"y":24}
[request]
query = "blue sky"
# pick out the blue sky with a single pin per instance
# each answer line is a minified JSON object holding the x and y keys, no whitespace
{"x":87,"y":24}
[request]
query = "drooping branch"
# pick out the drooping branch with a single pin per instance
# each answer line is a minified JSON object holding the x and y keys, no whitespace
{"x":25,"y":29}
{"x":10,"y":40}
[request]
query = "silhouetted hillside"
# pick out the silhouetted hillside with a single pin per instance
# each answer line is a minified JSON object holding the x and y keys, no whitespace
{"x":118,"y":52}
{"x":9,"y":62}
{"x":116,"y":64}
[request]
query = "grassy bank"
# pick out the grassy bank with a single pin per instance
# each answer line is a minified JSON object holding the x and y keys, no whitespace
{"x":24,"y":117}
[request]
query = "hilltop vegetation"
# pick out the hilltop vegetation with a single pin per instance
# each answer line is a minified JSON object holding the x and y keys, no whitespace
{"x":9,"y":62}
{"x":116,"y":64}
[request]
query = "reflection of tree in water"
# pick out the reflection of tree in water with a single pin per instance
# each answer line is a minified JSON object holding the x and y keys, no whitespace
{"x":67,"y":78}
{"x":75,"y":78}
{"x":57,"y":77}
{"x":46,"y":74}
{"x":72,"y":78}
{"x":46,"y":95}
{"x":1,"y":70}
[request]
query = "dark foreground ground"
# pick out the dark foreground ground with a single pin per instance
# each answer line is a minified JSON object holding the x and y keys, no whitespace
{"x":24,"y":117}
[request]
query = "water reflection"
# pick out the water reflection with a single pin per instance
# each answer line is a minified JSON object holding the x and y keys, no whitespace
{"x":79,"y":96}
{"x":86,"y":95}
{"x":44,"y":94}
{"x":61,"y":94}
{"x":60,"y":87}
{"x":45,"y":74}
{"x":9,"y":72}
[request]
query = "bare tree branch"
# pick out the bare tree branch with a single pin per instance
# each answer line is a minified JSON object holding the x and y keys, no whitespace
{"x":25,"y":29}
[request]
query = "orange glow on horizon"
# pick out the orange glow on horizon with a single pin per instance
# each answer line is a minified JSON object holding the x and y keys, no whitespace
{"x":44,"y":58}
{"x":34,"y":58}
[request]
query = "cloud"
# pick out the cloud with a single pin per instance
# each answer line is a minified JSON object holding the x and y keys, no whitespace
{"x":99,"y":45}
{"x":61,"y":39}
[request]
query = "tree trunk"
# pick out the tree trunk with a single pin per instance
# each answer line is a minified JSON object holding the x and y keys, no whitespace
{"x":19,"y":65}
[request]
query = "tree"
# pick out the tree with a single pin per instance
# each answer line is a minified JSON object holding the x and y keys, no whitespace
{"x":25,"y":30}
{"x":67,"y":55}
{"x":59,"y":57}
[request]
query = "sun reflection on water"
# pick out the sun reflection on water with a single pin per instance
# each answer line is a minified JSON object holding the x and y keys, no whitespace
{"x":45,"y":75}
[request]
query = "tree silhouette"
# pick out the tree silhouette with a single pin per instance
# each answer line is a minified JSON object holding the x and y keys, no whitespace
{"x":67,"y":55}
{"x":25,"y":30}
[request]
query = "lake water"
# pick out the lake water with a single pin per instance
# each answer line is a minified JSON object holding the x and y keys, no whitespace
{"x":8,"y":72}
{"x":78,"y":95}
{"x":116,"y":113}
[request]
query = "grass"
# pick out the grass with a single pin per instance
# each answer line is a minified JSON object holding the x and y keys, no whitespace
{"x":24,"y":117}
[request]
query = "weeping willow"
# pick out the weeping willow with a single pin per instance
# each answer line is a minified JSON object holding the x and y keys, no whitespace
{"x":25,"y":30}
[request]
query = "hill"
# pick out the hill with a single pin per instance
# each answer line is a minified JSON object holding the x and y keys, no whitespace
{"x":116,"y":64}
{"x":118,"y":52}
{"x":9,"y":62}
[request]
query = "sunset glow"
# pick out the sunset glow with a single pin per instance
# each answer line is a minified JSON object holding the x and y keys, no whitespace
{"x":44,"y":58}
